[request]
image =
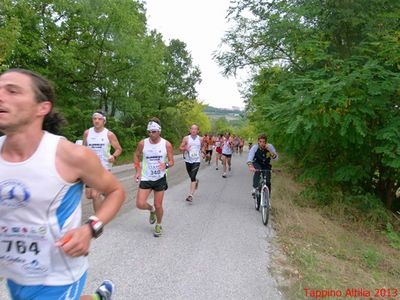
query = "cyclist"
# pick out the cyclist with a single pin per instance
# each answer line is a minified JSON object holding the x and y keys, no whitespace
{"x":259,"y":158}
{"x":191,"y":146}
{"x":157,"y":158}
{"x":41,"y":183}
{"x":100,"y":139}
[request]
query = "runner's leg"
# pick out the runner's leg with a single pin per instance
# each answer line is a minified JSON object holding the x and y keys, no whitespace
{"x":158,"y":204}
{"x":224,"y":165}
{"x":192,"y":170}
{"x":141,"y":199}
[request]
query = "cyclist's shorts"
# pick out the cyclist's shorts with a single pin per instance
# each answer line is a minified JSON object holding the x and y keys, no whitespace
{"x":157,"y":185}
{"x":47,"y":292}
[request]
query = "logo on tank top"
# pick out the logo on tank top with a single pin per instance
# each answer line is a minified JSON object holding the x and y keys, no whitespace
{"x":35,"y":267}
{"x":13,"y":194}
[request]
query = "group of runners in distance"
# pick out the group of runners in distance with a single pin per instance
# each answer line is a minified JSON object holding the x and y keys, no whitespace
{"x":43,"y":245}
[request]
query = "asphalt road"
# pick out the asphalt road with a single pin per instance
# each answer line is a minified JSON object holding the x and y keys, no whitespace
{"x":215,"y":248}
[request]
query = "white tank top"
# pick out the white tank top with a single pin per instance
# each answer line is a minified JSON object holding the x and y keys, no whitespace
{"x":153,"y":154}
{"x":193,"y":155}
{"x":36,"y":208}
{"x":226,"y":148}
{"x":99,"y":143}
{"x":218,"y":143}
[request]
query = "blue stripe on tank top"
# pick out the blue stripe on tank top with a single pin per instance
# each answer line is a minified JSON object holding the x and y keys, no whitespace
{"x":69,"y":203}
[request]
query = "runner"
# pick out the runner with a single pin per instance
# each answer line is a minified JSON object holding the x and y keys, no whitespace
{"x":236,"y":143}
{"x":259,"y":158}
{"x":241,"y":145}
{"x":100,"y":139}
{"x":218,"y":149}
{"x":250,"y":144}
{"x":208,"y":144}
{"x":191,"y":146}
{"x":227,"y":150}
{"x":43,"y":245}
{"x":157,"y":156}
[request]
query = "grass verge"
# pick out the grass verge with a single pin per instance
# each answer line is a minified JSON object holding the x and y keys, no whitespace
{"x":322,"y":253}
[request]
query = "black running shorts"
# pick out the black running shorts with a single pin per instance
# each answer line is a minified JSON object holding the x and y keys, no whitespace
{"x":157,"y":186}
{"x":192,"y":169}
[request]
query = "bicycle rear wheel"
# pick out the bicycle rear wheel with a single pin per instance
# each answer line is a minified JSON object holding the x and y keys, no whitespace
{"x":265,"y":205}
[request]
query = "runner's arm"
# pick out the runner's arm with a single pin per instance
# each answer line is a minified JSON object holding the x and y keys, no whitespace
{"x":115,"y":144}
{"x":183,"y":146}
{"x":75,"y":162}
{"x":85,"y":135}
{"x":136,"y":159}
{"x":170,"y":155}
{"x":97,"y":177}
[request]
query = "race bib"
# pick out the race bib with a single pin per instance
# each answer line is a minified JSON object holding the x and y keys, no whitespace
{"x":154,"y":169}
{"x":24,"y":251}
{"x":194,"y":154}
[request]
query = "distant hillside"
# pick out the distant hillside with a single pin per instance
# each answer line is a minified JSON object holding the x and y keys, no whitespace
{"x":229,"y":114}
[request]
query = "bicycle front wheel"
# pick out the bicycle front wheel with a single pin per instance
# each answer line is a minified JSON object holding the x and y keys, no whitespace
{"x":257,"y":200}
{"x":265,"y":205}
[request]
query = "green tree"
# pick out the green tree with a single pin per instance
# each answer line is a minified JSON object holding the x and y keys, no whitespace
{"x":182,"y":75}
{"x":99,"y":54}
{"x":327,"y":82}
{"x":192,"y":113}
{"x":221,"y":126}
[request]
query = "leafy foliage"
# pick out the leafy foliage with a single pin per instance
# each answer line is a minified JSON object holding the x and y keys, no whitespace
{"x":100,"y":54}
{"x":326,"y":86}
{"x":193,"y":113}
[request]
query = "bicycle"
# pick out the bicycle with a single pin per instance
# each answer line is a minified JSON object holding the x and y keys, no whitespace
{"x":261,"y":196}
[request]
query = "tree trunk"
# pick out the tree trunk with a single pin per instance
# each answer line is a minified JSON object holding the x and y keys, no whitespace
{"x":386,"y":191}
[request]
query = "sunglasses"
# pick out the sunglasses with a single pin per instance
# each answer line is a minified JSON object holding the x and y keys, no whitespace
{"x":152,"y":131}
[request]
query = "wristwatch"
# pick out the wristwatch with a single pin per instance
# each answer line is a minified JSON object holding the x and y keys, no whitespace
{"x":96,"y":225}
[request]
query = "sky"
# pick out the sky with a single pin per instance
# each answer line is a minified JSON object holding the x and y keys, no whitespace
{"x":201,"y":25}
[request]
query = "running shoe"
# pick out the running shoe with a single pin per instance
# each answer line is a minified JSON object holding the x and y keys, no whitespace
{"x":153,"y":217}
{"x":189,"y":198}
{"x":197,"y":184}
{"x":224,"y":175}
{"x":216,"y":168}
{"x":157,"y":230}
{"x":105,"y":290}
{"x":253,"y":192}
